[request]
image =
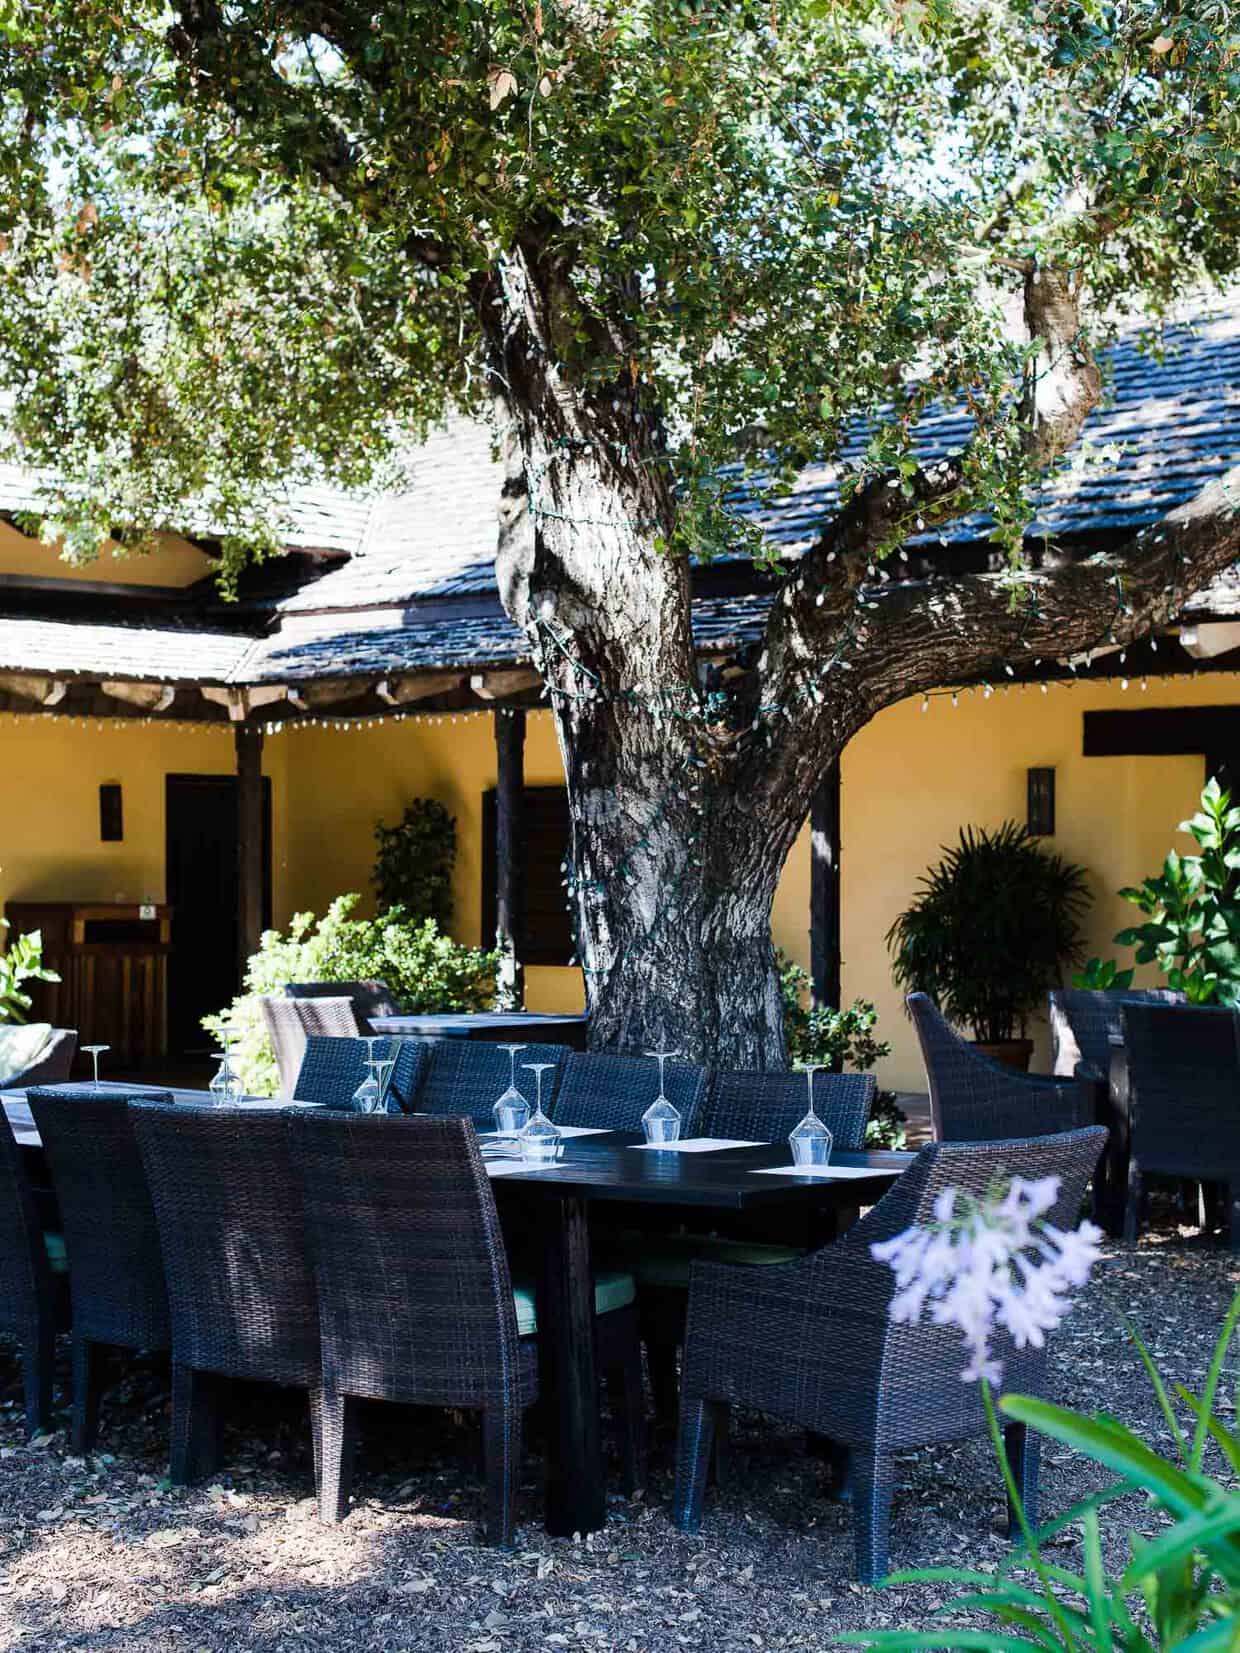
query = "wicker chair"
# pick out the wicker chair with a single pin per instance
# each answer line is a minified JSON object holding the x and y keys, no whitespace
{"x":466,"y":1077}
{"x":240,"y":1290}
{"x":32,"y":1308}
{"x":290,"y":1022}
{"x":760,"y":1107}
{"x":116,"y":1275}
{"x":333,"y":1068}
{"x":1184,"y":1101}
{"x":1083,"y":1023}
{"x":975,"y":1099}
{"x":613,"y":1092}
{"x":811,"y":1342}
{"x":416,"y":1299}
{"x":764,"y":1107}
{"x":368,"y":998}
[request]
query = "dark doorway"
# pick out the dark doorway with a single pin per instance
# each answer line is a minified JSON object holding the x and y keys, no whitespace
{"x":201,"y":863}
{"x":1225,"y":769}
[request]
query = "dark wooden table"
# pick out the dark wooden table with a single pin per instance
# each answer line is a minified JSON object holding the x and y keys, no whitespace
{"x":26,"y":1132}
{"x":611,"y":1169}
{"x":497,"y":1026}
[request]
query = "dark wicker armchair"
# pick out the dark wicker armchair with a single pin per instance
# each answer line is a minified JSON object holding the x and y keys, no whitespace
{"x":1183,"y":1101}
{"x":333,"y":1067}
{"x":1083,"y":1023}
{"x":116,"y":1273}
{"x":975,"y":1099}
{"x":612,"y":1093}
{"x":240,"y":1290}
{"x":811,"y":1342}
{"x":764,"y":1107}
{"x":416,"y":1299}
{"x":466,"y":1076}
{"x":369,"y":998}
{"x":32,"y":1309}
{"x":54,"y":1066}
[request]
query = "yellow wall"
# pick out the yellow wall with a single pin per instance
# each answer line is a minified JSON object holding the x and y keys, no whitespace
{"x":49,"y":837}
{"x":910,"y":780}
{"x":174,"y":562}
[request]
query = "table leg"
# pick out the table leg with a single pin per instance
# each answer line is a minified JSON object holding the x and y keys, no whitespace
{"x":568,"y":1375}
{"x":1112,"y":1110}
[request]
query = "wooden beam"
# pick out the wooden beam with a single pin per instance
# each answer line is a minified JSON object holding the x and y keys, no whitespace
{"x":1162,"y":731}
{"x":824,"y":891}
{"x":147,"y":697}
{"x":509,"y":857}
{"x":499,"y":685}
{"x":249,"y":745}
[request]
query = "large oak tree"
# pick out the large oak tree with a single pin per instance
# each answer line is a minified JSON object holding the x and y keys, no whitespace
{"x":247,"y":239}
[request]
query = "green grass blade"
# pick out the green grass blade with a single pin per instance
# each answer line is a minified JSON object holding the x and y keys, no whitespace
{"x":1160,"y":1390}
{"x":1069,"y":1518}
{"x":944,"y":1640}
{"x":1225,"y":1438}
{"x":1184,"y":1539}
{"x":1212,"y":1380}
{"x":1098,"y":1594}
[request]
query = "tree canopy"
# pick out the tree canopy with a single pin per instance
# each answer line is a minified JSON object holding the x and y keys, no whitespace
{"x":243,"y":242}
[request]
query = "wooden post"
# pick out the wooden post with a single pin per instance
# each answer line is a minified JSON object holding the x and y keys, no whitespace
{"x":249,"y":743}
{"x":824,"y":891}
{"x":509,"y":856}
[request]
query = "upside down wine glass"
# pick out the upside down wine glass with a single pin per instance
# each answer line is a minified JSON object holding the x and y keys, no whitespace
{"x":225,"y":1086}
{"x":810,"y":1140}
{"x":367,"y":1096}
{"x":95,"y":1052}
{"x":540,"y":1141}
{"x":661,"y":1121}
{"x":512,"y":1111}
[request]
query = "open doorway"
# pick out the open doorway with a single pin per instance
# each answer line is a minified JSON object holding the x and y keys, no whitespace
{"x":201,"y":861}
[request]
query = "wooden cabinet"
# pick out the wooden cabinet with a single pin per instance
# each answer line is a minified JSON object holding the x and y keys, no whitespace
{"x":112,"y":958}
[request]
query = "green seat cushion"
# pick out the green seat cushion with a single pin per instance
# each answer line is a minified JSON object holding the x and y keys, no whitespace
{"x":614,"y":1288}
{"x":666,"y":1261}
{"x":57,"y":1256}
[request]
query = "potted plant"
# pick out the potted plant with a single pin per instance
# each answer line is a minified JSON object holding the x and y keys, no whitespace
{"x":991,"y":931}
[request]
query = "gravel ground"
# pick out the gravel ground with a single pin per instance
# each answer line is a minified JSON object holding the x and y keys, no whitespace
{"x":102,"y":1555}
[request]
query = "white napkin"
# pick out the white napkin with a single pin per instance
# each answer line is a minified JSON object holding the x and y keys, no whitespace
{"x":564,"y":1130}
{"x":841,"y":1173}
{"x":700,"y":1145}
{"x":510,"y":1167}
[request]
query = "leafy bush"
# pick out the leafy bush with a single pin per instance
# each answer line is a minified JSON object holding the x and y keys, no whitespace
{"x":21,"y":961}
{"x":426,"y":970}
{"x":1192,"y":908}
{"x":414,"y":862}
{"x":1103,"y":976}
{"x":838,"y":1039}
{"x":991,"y":930}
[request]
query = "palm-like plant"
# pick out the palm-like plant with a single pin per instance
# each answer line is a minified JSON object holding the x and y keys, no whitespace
{"x":992,"y":929}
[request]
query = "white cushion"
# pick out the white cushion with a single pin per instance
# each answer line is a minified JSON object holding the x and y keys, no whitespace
{"x":22,"y":1044}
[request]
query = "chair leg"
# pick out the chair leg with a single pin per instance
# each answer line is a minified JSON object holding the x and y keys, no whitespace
{"x":337,"y":1454}
{"x":664,"y":1382}
{"x":699,"y":1421}
{"x":87,"y":1388}
{"x":38,"y":1365}
{"x":1132,"y":1209}
{"x":873,"y":1483}
{"x":195,"y":1425}
{"x":1024,"y":1454}
{"x":835,"y":1459}
{"x":501,"y":1449}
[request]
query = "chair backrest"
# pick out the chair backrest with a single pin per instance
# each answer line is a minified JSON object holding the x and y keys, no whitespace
{"x":290,"y":1022}
{"x":369,"y":998}
{"x":466,"y":1076}
{"x":764,"y":1107}
{"x":975,"y":1099}
{"x":228,"y":1208}
{"x":1083,"y":1022}
{"x":415,"y":1295}
{"x":116,"y":1274}
{"x":26,"y":1301}
{"x":55,"y":1065}
{"x":1183,"y":1087}
{"x":333,"y":1068}
{"x":613,"y":1092}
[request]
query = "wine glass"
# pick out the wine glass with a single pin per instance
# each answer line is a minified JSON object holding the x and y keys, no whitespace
{"x":540,"y":1141}
{"x":384,"y":1067}
{"x":811,"y":1140}
{"x":225,"y":1086}
{"x":661,"y":1121}
{"x":367,"y":1096}
{"x":512,"y":1111}
{"x":95,"y":1052}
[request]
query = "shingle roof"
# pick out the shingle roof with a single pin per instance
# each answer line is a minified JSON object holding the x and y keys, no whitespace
{"x":165,"y":652}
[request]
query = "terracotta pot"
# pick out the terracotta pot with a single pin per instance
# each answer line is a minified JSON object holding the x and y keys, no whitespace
{"x":1013,"y":1053}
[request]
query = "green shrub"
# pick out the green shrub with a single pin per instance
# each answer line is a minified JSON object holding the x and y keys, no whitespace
{"x":414,"y":862}
{"x":426,"y":970}
{"x":21,"y":961}
{"x":839,"y":1039}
